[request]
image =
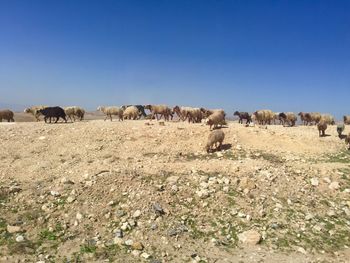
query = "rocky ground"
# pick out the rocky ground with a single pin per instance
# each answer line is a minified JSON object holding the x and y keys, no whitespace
{"x":132,"y":191}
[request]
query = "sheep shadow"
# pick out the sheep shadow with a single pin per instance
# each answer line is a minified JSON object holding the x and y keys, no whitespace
{"x":342,"y":136}
{"x":225,"y":147}
{"x":325,"y":135}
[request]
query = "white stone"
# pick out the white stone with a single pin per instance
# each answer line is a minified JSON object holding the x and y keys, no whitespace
{"x":250,"y":237}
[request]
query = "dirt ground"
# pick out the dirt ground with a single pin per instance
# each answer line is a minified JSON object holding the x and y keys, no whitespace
{"x":131,"y":191}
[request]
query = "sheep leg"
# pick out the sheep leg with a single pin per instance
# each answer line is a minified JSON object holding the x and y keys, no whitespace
{"x":110,"y":116}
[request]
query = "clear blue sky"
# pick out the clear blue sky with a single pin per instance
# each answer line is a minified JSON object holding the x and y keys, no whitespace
{"x":247,"y":55}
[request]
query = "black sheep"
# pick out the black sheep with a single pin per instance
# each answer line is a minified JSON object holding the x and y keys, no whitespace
{"x":243,"y":116}
{"x":53,"y":112}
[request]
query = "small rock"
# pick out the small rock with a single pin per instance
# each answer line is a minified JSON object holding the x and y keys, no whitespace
{"x":203,"y":193}
{"x":13,"y":229}
{"x":128,"y":242}
{"x":250,"y":237}
{"x":70,"y":199}
{"x":54,"y":193}
{"x":145,"y":255}
{"x":79,"y":216}
{"x":119,"y":233}
{"x":19,"y":238}
{"x":172,"y":179}
{"x":301,"y":250}
{"x":137,"y":246}
{"x":137,"y":214}
{"x":158,"y":209}
{"x":334,"y":186}
{"x":314,"y":182}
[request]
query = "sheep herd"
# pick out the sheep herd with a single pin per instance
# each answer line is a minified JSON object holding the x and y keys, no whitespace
{"x":215,"y":118}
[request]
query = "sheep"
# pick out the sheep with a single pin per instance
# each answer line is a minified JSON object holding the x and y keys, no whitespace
{"x":276,"y":117}
{"x":242,"y":115}
{"x":194,"y":115}
{"x":131,"y":113}
{"x":140,"y":108}
{"x":303,"y":118}
{"x":80,"y":113}
{"x":215,"y":119}
{"x":214,"y":138}
{"x":163,"y":110}
{"x":181,"y":112}
{"x":340,"y":129}
{"x":322,"y":127}
{"x":315,"y":117}
{"x":289,"y":117}
{"x":264,"y":116}
{"x":74,"y":111}
{"x":346,"y":119}
{"x":206,"y":113}
{"x":7,"y":115}
{"x":329,"y":119}
{"x":112,"y":110}
{"x":53,"y":112}
{"x":347,"y":140}
{"x":35,"y":111}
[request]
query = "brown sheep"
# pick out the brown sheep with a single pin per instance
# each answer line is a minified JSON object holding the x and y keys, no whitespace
{"x":346,"y":119}
{"x":74,"y":111}
{"x":214,"y":138}
{"x":347,"y":140}
{"x":7,"y":115}
{"x":306,"y":118}
{"x":288,"y":118}
{"x":322,"y":127}
{"x":215,"y":119}
{"x":181,"y":112}
{"x":163,"y":110}
{"x":35,"y":111}
{"x":206,"y":113}
{"x":194,"y":115}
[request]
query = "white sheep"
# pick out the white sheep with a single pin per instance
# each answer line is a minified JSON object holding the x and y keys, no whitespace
{"x":112,"y":110}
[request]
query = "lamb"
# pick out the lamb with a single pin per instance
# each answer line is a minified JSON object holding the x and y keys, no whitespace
{"x":7,"y":115}
{"x":215,"y":119}
{"x":290,"y":118}
{"x":35,"y":111}
{"x":214,"y":138}
{"x":346,"y":119}
{"x":340,"y":129}
{"x":131,"y":113}
{"x":329,"y":119}
{"x":74,"y":111}
{"x":53,"y":112}
{"x":112,"y":110}
{"x":347,"y":140}
{"x":322,"y":127}
{"x":242,"y":115}
{"x":163,"y":110}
